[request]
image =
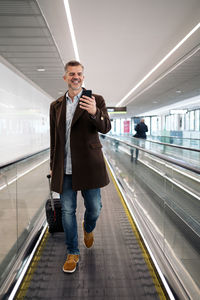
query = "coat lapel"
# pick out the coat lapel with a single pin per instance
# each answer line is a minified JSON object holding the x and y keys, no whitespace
{"x":61,"y":114}
{"x":78,"y":112}
{"x":61,"y":110}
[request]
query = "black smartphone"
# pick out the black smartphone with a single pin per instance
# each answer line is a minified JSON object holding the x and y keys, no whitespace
{"x":87,"y":93}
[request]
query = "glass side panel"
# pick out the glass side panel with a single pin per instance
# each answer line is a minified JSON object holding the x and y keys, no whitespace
{"x":8,"y":218}
{"x":165,"y":198}
{"x":32,"y":191}
{"x":23,"y":193}
{"x":187,"y":155}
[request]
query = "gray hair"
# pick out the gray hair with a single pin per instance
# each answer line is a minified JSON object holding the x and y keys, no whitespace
{"x":73,"y":63}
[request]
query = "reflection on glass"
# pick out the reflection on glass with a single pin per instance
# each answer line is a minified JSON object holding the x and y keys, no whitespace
{"x":187,"y":120}
{"x":197,"y":117}
{"x":191,"y":120}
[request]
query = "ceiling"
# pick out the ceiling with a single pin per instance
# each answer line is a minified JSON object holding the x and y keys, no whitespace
{"x":119,"y":43}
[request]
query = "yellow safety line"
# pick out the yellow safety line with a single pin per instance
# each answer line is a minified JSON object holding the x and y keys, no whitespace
{"x":152,"y":269}
{"x":31,"y":269}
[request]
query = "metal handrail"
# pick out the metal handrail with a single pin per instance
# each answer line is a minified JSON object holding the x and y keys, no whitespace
{"x":171,"y":145}
{"x":166,"y":144}
{"x":175,"y":137}
{"x":22,"y":158}
{"x":177,"y":162}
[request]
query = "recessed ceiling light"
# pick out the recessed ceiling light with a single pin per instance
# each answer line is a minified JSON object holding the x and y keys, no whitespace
{"x":155,"y":102}
{"x":41,"y":69}
{"x":178,"y":91}
{"x":60,"y":92}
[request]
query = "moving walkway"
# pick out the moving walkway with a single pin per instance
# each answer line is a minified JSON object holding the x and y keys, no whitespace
{"x":124,"y":262}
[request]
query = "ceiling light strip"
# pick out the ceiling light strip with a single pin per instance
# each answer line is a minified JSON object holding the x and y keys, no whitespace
{"x":182,"y":60}
{"x":159,"y":64}
{"x":71,"y":28}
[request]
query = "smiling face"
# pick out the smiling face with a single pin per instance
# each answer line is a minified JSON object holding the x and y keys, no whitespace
{"x":74,"y":78}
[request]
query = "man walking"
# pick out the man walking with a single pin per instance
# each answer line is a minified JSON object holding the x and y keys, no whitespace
{"x":76,"y":159}
{"x":141,"y":129}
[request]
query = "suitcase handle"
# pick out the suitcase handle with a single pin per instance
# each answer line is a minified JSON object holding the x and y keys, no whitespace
{"x":51,"y":196}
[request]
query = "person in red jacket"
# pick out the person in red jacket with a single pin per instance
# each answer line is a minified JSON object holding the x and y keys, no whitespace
{"x":76,"y":158}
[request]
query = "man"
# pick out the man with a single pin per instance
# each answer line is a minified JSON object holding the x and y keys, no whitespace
{"x":141,"y":129}
{"x":76,"y":159}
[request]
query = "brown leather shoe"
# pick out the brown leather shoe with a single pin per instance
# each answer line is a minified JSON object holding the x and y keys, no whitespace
{"x":71,"y":262}
{"x":88,"y":238}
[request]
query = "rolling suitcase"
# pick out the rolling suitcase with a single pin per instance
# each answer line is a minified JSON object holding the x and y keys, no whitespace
{"x":53,"y":212}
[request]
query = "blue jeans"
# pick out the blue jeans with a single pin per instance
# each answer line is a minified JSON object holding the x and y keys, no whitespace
{"x":92,"y":202}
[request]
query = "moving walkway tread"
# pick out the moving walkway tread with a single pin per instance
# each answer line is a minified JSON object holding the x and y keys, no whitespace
{"x":114,"y":268}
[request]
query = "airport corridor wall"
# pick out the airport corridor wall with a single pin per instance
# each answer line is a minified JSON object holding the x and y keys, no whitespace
{"x":24,"y":116}
{"x":24,"y":162}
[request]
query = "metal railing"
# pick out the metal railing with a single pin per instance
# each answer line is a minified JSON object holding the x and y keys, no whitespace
{"x":175,"y":161}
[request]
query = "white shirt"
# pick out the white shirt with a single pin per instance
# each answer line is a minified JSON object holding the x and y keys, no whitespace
{"x":70,"y":108}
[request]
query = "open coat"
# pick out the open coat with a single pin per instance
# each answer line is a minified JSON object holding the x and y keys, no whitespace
{"x":88,"y":166}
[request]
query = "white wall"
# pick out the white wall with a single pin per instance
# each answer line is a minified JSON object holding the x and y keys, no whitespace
{"x":24,"y":116}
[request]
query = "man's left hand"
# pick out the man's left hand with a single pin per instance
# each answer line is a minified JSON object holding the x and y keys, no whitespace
{"x":88,"y":104}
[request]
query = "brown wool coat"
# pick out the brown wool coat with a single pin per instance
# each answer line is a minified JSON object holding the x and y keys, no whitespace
{"x":88,"y":166}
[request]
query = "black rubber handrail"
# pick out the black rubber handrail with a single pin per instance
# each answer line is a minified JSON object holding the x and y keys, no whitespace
{"x":177,"y":162}
{"x":22,"y":158}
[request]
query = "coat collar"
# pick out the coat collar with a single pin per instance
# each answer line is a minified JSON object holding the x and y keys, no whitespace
{"x":62,"y":113}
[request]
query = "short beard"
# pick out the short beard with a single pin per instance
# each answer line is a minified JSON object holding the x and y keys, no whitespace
{"x":74,"y":88}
